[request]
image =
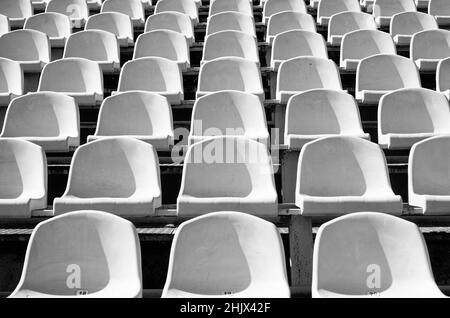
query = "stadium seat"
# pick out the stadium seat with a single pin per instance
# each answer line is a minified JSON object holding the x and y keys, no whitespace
{"x":440,"y":10}
{"x":166,"y":78}
{"x":11,"y":81}
{"x":132,"y":8}
{"x":23,"y":178}
{"x":143,"y":115}
{"x":85,"y":254}
{"x":229,"y":113}
{"x":76,"y":10}
{"x":28,"y":47}
{"x":365,"y":255}
{"x":429,"y":47}
{"x":219,"y":6}
{"x":272,"y":7}
{"x":50,"y":120}
{"x":4,"y":24}
{"x":187,"y":7}
{"x":230,"y":21}
{"x":230,"y":43}
{"x":405,"y":24}
{"x":297,"y":43}
{"x":227,"y":173}
{"x":422,"y":4}
{"x":119,"y":175}
{"x":443,"y":77}
{"x":383,"y":73}
{"x":17,"y":11}
{"x":321,"y":113}
{"x":164,"y":43}
{"x":95,"y":45}
{"x":221,"y":255}
{"x":57,"y":26}
{"x":288,"y":21}
{"x":345,"y":22}
{"x":77,"y":77}
{"x":300,"y":74}
{"x":356,"y":180}
{"x":407,"y":116}
{"x":114,"y":22}
{"x":383,"y":10}
{"x":173,"y":21}
{"x":230,"y":73}
{"x":327,"y":8}
{"x":357,"y":45}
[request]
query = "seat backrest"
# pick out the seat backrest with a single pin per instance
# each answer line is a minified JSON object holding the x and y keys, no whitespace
{"x":430,"y":44}
{"x":230,"y":21}
{"x":219,"y":6}
{"x":25,"y":45}
{"x":438,"y":8}
{"x":55,"y":25}
{"x":115,"y":22}
{"x":328,"y":8}
{"x":230,"y":43}
{"x":443,"y":75}
{"x":408,"y":23}
{"x":187,"y":7}
{"x":16,"y":9}
{"x":344,"y":22}
{"x":132,"y":8}
{"x":272,"y":7}
{"x":174,"y":21}
{"x":11,"y":77}
{"x":387,"y":8}
{"x":290,"y":20}
{"x":360,"y":44}
{"x":74,"y":9}
{"x":162,"y":43}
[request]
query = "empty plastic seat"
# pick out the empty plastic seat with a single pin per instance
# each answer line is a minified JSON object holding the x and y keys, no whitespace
{"x":383,"y":10}
{"x":405,"y":25}
{"x":119,"y":175}
{"x":187,"y":7}
{"x":440,"y":10}
{"x":50,"y":120}
{"x":304,"y":73}
{"x":227,"y":173}
{"x":429,"y":47}
{"x":132,"y":8}
{"x":272,"y":7}
{"x":17,"y":11}
{"x":219,"y":6}
{"x":86,"y":254}
{"x":365,"y":255}
{"x":166,"y":78}
{"x":173,"y":21}
{"x":230,"y":73}
{"x":115,"y":22}
{"x":76,"y":10}
{"x":407,"y":116}
{"x":327,"y":8}
{"x":357,"y":45}
{"x":321,"y":113}
{"x":4,"y":24}
{"x":345,"y":22}
{"x":231,"y":21}
{"x":288,"y":21}
{"x":297,"y":43}
{"x":23,"y":178}
{"x":95,"y":45}
{"x":57,"y":26}
{"x":383,"y":73}
{"x":230,"y":43}
{"x":356,"y":180}
{"x":164,"y":43}
{"x":142,"y":115}
{"x":77,"y":77}
{"x":220,"y":255}
{"x":11,"y":81}
{"x":28,"y":47}
{"x":443,"y":77}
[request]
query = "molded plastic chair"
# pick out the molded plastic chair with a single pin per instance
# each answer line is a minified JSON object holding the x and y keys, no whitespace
{"x":429,"y":47}
{"x":17,"y":11}
{"x":114,"y":22}
{"x":219,"y":6}
{"x":288,"y":21}
{"x":327,"y":8}
{"x":231,"y":21}
{"x":11,"y":81}
{"x":345,"y":22}
{"x":272,"y":7}
{"x":57,"y":26}
{"x":187,"y":7}
{"x":132,"y":8}
{"x":384,"y":10}
{"x":173,"y":21}
{"x":404,"y":25}
{"x":76,"y":10}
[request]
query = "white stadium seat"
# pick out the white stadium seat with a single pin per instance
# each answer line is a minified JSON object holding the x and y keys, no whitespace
{"x":231,"y":21}
{"x":230,"y":43}
{"x":76,"y":10}
{"x":164,"y":43}
{"x":219,"y":6}
{"x":77,"y":77}
{"x":57,"y":26}
{"x":327,"y":8}
{"x":114,"y":22}
{"x":404,"y":25}
{"x":440,"y":10}
{"x":28,"y":47}
{"x":230,"y":73}
{"x":143,"y":115}
{"x":4,"y":25}
{"x":50,"y":120}
{"x":443,"y":77}
{"x":383,"y":73}
{"x":272,"y":7}
{"x":11,"y":81}
{"x":345,"y":22}
{"x":300,"y":74}
{"x":23,"y":178}
{"x":119,"y":175}
{"x":321,"y":113}
{"x":17,"y":11}
{"x":357,"y":45}
{"x":288,"y":21}
{"x":187,"y":7}
{"x":409,"y":115}
{"x":173,"y":21}
{"x":356,"y":180}
{"x":229,"y":113}
{"x":227,"y":173}
{"x":222,"y":255}
{"x":365,"y":255}
{"x":166,"y":78}
{"x":84,"y":254}
{"x":132,"y":8}
{"x":297,"y":43}
{"x":429,"y":47}
{"x":384,"y":10}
